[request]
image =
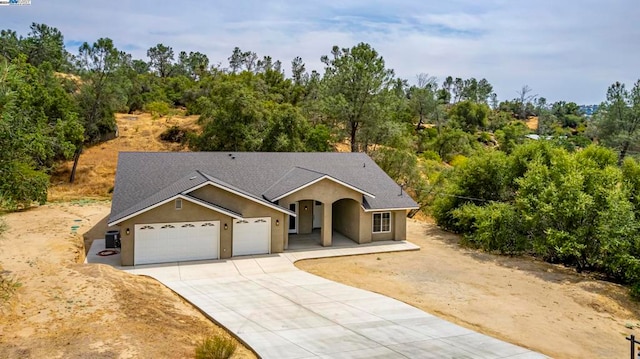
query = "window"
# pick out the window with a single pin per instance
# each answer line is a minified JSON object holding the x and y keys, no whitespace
{"x":382,"y":222}
{"x":178,"y":203}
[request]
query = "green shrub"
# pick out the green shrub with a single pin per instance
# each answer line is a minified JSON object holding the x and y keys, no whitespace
{"x":216,"y":347}
{"x":174,"y":134}
{"x":158,"y":108}
{"x":485,"y":137}
{"x":493,"y":227}
{"x":635,"y":291}
{"x":458,"y":160}
{"x":431,"y":155}
{"x":21,"y":185}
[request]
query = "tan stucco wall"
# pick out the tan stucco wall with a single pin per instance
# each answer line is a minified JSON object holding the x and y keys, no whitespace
{"x":346,"y":216}
{"x":305,"y":217}
{"x":346,"y":219}
{"x":248,"y":209}
{"x":190,"y":212}
{"x":398,"y":226}
{"x":327,"y":192}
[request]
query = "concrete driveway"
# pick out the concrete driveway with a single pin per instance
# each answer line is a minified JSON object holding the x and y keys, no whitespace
{"x":282,"y":312}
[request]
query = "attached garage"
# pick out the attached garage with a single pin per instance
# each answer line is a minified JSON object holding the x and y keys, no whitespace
{"x":251,"y":236}
{"x":172,"y":242}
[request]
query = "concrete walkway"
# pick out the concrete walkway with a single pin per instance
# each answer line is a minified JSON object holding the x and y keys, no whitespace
{"x":282,"y":312}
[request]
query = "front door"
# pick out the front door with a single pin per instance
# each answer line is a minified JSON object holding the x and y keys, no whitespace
{"x":293,"y":221}
{"x":317,"y":214}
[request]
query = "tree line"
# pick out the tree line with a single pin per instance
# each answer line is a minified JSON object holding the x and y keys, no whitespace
{"x":460,"y":151}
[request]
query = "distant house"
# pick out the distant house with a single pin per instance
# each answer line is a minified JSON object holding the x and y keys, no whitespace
{"x":209,"y":205}
{"x":588,"y":110}
{"x":538,"y":137}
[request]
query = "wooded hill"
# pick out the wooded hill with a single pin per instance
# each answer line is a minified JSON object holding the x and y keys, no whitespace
{"x":458,"y":149}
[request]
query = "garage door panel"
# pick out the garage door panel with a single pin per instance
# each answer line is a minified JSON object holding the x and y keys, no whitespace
{"x":171,"y":242}
{"x":251,"y":236}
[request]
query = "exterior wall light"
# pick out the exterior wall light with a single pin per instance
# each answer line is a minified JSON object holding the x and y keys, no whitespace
{"x":306,"y":208}
{"x":127,"y":231}
{"x":226,"y":226}
{"x":277,"y":222}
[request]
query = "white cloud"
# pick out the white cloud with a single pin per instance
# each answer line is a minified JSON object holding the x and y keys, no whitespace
{"x":455,"y":21}
{"x":563,"y":50}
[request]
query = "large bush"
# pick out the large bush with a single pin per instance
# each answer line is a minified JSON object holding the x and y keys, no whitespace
{"x":494,"y":227}
{"x":479,"y":180}
{"x":579,"y":209}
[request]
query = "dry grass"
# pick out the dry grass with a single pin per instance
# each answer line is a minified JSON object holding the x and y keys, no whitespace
{"x":532,"y":123}
{"x":97,"y":166}
{"x":72,"y":77}
{"x":343,"y":146}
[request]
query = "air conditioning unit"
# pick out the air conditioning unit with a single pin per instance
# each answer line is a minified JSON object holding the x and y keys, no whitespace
{"x":112,"y":239}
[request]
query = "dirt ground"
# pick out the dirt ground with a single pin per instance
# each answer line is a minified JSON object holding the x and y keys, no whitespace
{"x":540,"y":306}
{"x":64,"y":309}
{"x":532,"y":123}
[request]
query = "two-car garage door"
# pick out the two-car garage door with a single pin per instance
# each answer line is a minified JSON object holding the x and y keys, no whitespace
{"x":173,"y":242}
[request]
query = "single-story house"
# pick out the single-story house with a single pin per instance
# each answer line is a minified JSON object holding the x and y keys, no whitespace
{"x":185,"y":206}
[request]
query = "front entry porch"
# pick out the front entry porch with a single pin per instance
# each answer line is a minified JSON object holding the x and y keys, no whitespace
{"x":324,"y":224}
{"x":313,"y":240}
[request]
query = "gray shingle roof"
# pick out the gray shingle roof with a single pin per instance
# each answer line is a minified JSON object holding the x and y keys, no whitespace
{"x":147,"y":178}
{"x":295,"y":178}
{"x":125,"y":205}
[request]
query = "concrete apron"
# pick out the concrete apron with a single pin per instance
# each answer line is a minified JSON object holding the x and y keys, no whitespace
{"x":282,"y":312}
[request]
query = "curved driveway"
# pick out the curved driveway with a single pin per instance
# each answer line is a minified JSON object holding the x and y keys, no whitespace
{"x":282,"y":312}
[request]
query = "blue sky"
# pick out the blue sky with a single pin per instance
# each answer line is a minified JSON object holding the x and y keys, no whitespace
{"x":562,"y":49}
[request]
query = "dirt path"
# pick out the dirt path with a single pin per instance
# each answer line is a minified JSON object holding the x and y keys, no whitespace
{"x":547,"y":308}
{"x":68,"y":310}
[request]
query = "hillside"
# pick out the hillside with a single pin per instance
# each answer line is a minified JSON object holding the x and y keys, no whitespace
{"x":97,"y":165}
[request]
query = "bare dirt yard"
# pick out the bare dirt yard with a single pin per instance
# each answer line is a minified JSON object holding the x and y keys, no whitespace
{"x":547,"y":308}
{"x":65,"y":309}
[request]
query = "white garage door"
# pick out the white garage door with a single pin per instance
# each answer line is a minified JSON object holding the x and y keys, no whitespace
{"x":172,"y":242}
{"x":251,"y":236}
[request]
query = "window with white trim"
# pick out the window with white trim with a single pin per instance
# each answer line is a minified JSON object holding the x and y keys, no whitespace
{"x":178,"y":203}
{"x":382,"y":222}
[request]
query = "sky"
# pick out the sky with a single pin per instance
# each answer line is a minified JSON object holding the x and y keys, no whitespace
{"x":564,"y":50}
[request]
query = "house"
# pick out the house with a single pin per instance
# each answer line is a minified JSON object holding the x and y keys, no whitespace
{"x":548,"y":138}
{"x":209,"y":205}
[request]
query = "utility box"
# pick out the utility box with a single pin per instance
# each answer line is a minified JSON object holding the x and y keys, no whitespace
{"x":112,"y":239}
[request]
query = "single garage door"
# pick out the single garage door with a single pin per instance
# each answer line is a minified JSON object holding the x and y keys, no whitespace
{"x":251,"y":236}
{"x":172,"y":242}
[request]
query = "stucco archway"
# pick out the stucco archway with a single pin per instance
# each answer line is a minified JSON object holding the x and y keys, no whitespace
{"x":345,"y":218}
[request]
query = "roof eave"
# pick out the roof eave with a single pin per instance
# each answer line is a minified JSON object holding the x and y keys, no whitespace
{"x":178,"y":196}
{"x":244,"y":195}
{"x":365,"y":193}
{"x":388,"y":209}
